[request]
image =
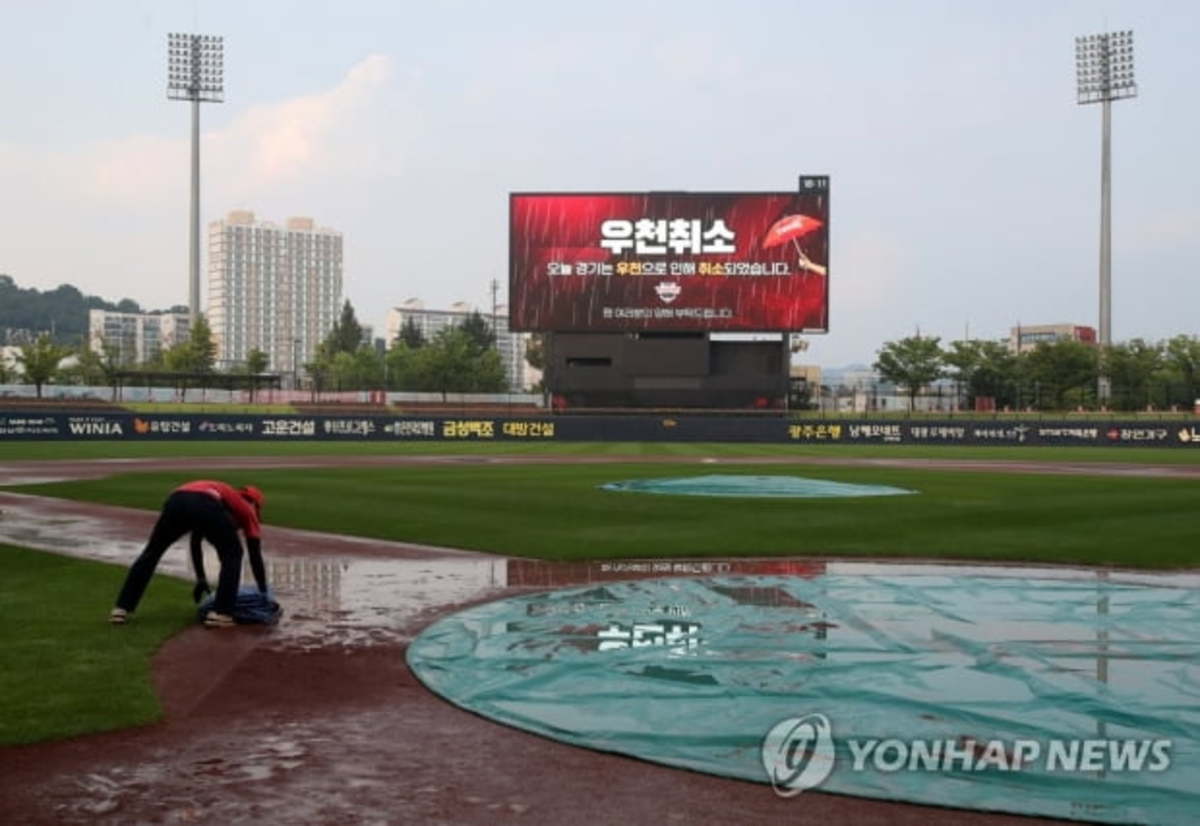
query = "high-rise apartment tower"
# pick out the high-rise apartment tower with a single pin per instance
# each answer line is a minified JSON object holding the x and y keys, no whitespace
{"x":272,"y":288}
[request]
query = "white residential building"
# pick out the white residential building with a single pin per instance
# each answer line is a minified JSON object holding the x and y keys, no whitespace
{"x":136,"y":337}
{"x":510,"y":345}
{"x":272,"y":288}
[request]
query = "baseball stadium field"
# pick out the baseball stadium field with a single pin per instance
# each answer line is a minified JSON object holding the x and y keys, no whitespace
{"x":148,"y":723}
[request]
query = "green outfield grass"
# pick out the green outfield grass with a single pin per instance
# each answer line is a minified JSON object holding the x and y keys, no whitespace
{"x":17,"y":451}
{"x":558,"y":512}
{"x":66,"y":671}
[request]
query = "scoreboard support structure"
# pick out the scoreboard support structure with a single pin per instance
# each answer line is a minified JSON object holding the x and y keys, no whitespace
{"x":665,"y":369}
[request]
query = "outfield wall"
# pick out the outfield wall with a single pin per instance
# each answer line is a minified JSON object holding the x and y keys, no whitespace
{"x":132,"y":427}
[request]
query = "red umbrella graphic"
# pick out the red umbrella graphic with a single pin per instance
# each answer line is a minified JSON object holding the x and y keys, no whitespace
{"x":792,"y":228}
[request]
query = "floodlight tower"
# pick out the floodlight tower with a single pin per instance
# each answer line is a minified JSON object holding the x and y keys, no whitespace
{"x":1104,"y":73}
{"x":195,"y":72}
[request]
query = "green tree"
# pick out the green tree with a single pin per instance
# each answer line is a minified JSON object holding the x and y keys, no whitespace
{"x":411,"y":334}
{"x":257,"y":362}
{"x":40,"y":360}
{"x":175,"y":359}
{"x":450,"y":363}
{"x":1181,"y":358}
{"x":1061,"y":370}
{"x":535,"y":351}
{"x":361,"y":370}
{"x":318,"y":371}
{"x":368,"y":368}
{"x":1134,"y":369}
{"x":344,"y":338}
{"x":87,"y":370}
{"x":97,"y":365}
{"x":346,"y":335}
{"x":201,"y":347}
{"x":400,"y":364}
{"x":341,"y":371}
{"x":480,"y":333}
{"x":488,"y":375}
{"x":441,"y":365}
{"x":984,"y":369}
{"x":911,"y":363}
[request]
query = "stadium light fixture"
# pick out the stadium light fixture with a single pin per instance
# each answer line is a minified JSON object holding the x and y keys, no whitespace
{"x":195,"y":73}
{"x":1104,"y":73}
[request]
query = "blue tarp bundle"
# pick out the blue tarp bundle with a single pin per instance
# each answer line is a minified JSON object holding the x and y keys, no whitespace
{"x":251,"y":608}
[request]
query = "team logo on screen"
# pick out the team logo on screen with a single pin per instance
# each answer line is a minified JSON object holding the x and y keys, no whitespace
{"x":667,"y":291}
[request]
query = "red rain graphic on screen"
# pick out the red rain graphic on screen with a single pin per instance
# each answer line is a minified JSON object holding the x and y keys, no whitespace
{"x":686,"y":261}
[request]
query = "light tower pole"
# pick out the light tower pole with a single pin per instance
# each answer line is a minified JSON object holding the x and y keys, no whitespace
{"x":195,"y":72}
{"x":1104,"y":73}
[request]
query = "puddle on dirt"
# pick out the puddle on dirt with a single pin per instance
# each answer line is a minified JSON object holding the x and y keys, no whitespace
{"x":328,"y":600}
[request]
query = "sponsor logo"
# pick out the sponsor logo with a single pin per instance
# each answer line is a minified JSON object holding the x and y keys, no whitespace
{"x":144,"y":427}
{"x":667,"y":291}
{"x":94,"y":427}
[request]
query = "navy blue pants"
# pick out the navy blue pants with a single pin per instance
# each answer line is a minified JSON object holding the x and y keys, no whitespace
{"x":182,"y":513}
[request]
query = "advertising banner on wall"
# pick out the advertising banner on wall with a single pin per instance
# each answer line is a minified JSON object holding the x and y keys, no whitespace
{"x":720,"y":261}
{"x":132,"y":427}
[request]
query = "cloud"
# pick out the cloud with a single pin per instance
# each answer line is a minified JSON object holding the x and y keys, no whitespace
{"x":309,"y":137}
{"x":111,"y":216}
{"x":321,"y":135}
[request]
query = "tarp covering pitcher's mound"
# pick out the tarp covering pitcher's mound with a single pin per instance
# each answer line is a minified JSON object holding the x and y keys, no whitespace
{"x":729,"y":484}
{"x":1066,"y":694}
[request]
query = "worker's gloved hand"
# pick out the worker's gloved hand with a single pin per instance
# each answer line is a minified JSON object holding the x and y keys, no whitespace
{"x":199,"y":591}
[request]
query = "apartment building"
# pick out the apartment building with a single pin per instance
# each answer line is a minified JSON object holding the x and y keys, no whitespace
{"x":272,"y":288}
{"x":136,"y":338}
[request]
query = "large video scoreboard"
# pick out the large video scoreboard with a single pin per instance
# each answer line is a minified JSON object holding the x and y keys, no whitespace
{"x":719,"y":261}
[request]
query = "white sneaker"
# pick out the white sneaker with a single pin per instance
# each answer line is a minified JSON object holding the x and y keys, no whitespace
{"x":118,"y":616}
{"x":215,"y":620}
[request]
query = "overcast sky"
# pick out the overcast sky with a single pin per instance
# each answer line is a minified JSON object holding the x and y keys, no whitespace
{"x":965,"y":179}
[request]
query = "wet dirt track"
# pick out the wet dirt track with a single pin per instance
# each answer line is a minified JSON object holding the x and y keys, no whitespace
{"x":319,"y":721}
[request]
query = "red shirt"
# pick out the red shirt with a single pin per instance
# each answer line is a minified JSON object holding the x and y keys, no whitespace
{"x":243,"y":512}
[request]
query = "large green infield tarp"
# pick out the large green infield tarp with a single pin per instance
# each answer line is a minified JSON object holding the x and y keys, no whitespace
{"x":956,"y":679}
{"x":730,"y":484}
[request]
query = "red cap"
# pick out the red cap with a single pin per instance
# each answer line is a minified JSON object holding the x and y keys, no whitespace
{"x":254,"y":496}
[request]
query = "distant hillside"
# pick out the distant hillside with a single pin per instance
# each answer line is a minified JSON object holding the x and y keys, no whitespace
{"x":64,"y":310}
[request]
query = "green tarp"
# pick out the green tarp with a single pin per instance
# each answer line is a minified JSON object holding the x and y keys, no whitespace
{"x":696,"y":672}
{"x":728,"y":484}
